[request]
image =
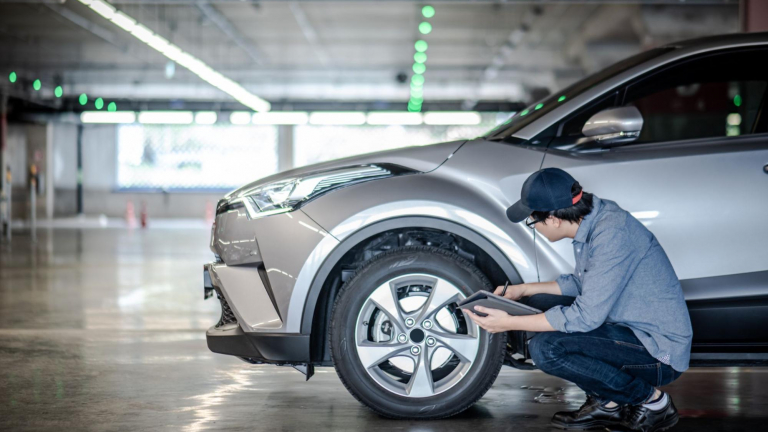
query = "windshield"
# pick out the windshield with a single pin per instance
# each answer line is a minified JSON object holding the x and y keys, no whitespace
{"x":539,"y":108}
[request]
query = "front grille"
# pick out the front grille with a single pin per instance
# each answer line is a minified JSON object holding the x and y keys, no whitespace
{"x":227,"y":316}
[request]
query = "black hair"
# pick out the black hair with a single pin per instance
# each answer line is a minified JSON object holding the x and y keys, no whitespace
{"x":575,"y":213}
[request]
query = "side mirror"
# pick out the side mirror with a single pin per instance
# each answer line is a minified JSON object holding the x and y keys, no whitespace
{"x":614,"y":126}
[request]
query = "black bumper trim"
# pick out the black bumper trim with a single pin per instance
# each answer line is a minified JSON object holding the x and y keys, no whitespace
{"x":275,"y":348}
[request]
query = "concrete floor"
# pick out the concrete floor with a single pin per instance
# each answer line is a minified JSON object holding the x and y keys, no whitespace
{"x":103,"y":329}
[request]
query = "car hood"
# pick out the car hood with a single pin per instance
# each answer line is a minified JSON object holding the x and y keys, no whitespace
{"x":418,"y":158}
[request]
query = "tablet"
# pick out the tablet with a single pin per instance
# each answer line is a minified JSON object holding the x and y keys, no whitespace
{"x":491,"y":300}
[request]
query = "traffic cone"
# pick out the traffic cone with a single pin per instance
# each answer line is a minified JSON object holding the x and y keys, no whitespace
{"x":130,"y":215}
{"x":209,"y":212}
{"x":143,"y":214}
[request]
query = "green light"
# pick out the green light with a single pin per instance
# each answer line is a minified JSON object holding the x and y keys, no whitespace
{"x":428,"y":11}
{"x":12,"y":76}
{"x":538,"y":106}
{"x":523,"y":112}
{"x":419,"y":68}
{"x":417,"y":99}
{"x":83,"y":99}
{"x":37,"y":85}
{"x":58,"y":91}
{"x":425,"y":27}
{"x":112,"y":107}
{"x":99,"y":103}
{"x":737,"y":100}
{"x":417,"y":92}
{"x":418,"y":80}
{"x":420,"y":57}
{"x":561,"y":98}
{"x":421,"y":45}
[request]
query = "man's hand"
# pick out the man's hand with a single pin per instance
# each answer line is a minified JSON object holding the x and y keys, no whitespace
{"x":514,"y":292}
{"x":497,"y":320}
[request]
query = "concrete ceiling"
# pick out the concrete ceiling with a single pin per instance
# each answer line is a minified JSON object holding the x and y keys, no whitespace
{"x":294,"y":53}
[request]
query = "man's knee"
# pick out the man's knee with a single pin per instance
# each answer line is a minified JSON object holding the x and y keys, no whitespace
{"x":545,"y":349}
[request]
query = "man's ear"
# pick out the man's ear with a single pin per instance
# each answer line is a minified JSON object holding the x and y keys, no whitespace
{"x":555,"y":221}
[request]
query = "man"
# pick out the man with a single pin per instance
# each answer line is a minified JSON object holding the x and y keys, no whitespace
{"x":618,"y":327}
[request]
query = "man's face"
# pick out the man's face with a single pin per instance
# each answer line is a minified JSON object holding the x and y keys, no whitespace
{"x":554,"y":229}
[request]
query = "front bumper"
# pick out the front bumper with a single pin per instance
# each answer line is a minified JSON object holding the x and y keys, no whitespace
{"x":278,"y":348}
{"x":242,"y":285}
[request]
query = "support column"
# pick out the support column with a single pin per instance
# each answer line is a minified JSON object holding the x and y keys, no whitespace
{"x":284,"y":147}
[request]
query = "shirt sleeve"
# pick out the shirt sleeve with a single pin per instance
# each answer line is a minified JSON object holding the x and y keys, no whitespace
{"x":612,"y":260}
{"x":569,"y":284}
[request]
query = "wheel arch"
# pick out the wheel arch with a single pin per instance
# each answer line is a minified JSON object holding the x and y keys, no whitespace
{"x":328,"y":279}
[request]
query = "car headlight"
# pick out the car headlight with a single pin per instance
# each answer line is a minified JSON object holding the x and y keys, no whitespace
{"x":287,"y":195}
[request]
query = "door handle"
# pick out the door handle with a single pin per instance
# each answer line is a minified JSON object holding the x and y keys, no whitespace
{"x":765,"y":169}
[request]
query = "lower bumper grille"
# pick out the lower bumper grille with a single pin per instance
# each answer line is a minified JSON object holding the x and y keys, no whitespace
{"x":227,"y":316}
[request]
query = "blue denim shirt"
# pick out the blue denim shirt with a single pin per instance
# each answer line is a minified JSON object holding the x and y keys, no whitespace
{"x":623,"y":276}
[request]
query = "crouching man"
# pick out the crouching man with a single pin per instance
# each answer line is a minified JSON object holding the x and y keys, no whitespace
{"x":618,"y":327}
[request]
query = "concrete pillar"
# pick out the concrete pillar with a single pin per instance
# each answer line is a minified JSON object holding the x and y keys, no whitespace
{"x":284,"y":147}
{"x":754,"y":15}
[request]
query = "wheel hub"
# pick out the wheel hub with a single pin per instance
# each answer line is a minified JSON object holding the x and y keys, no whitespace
{"x":417,"y":335}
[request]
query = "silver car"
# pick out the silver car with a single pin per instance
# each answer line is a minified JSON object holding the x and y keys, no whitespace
{"x":359,"y":263}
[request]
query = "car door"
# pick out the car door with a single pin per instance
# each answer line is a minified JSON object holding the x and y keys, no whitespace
{"x":697,"y":177}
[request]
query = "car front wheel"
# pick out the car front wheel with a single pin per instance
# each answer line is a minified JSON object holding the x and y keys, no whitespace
{"x":401,"y":345}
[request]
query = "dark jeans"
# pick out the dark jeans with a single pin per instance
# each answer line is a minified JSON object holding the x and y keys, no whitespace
{"x":609,"y":363}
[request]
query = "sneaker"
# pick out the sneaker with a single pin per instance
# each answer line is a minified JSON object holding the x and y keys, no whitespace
{"x":591,"y":415}
{"x":641,"y":418}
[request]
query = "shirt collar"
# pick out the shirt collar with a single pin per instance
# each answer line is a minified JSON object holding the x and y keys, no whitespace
{"x":582,"y":233}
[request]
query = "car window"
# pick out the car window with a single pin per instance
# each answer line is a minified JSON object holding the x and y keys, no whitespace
{"x":528,"y":115}
{"x":714,"y":96}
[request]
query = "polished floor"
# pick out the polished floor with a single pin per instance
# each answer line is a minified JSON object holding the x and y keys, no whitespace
{"x":103,"y":329}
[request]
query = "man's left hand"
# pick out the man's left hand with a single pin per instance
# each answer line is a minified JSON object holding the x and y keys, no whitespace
{"x":497,"y":320}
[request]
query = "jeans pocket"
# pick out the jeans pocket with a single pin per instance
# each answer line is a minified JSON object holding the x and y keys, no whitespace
{"x":639,"y":347}
{"x":650,"y":373}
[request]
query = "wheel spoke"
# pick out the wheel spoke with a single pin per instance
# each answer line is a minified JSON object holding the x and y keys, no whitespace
{"x":464,"y":346}
{"x":420,"y":384}
{"x":442,"y":294}
{"x":385,"y":298}
{"x":372,"y":353}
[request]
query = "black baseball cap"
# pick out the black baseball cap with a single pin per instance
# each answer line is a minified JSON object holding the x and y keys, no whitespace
{"x":545,"y":190}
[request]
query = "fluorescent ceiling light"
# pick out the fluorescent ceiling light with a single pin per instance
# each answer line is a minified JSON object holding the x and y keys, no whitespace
{"x":108,"y":117}
{"x":281,"y":118}
{"x":394,"y":118}
{"x":124,"y":21}
{"x":165,"y":117}
{"x":173,"y":52}
{"x":206,"y":117}
{"x":337,"y":118}
{"x":240,"y":118}
{"x":452,"y":118}
{"x":102,"y":8}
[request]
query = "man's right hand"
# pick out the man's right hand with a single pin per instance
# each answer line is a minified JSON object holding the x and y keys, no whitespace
{"x":514,"y":292}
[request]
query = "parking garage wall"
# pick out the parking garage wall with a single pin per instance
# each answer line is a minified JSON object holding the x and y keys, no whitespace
{"x":101,"y":195}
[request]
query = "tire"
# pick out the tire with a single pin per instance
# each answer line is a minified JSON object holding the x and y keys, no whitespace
{"x":358,"y":335}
